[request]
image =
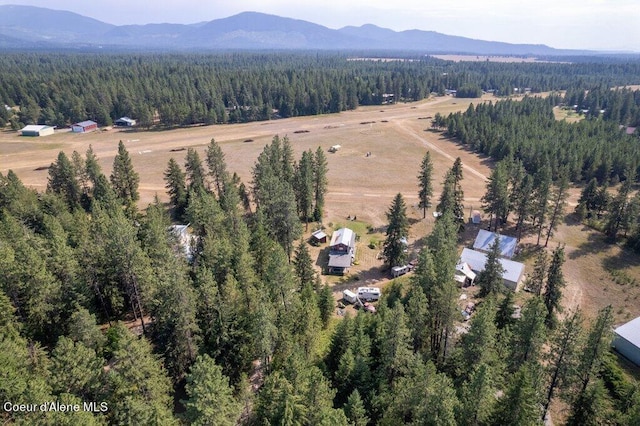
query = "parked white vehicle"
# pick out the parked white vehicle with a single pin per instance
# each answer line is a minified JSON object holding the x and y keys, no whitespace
{"x":349,"y":296}
{"x":368,"y":293}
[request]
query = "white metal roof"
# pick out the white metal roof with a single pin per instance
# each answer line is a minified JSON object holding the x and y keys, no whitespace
{"x":34,"y":128}
{"x":343,"y":236}
{"x":319,"y":234}
{"x":477,"y":260}
{"x":630,"y":332}
{"x":465,"y":269}
{"x":86,"y":123}
{"x":485,"y":240}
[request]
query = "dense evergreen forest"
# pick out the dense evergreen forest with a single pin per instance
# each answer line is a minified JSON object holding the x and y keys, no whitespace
{"x":242,"y":330}
{"x":170,"y":90}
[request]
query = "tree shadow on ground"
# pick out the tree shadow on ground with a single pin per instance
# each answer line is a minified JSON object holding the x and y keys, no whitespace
{"x":595,"y":243}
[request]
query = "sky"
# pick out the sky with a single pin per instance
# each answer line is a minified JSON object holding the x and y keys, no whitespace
{"x":611,"y":25}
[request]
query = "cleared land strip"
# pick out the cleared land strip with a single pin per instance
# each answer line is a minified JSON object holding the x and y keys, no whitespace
{"x":415,"y":135}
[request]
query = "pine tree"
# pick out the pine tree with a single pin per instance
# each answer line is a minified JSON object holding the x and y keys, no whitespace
{"x":425,"y":184}
{"x":528,"y":334}
{"x":210,"y":398}
{"x":504,"y":316}
{"x":452,"y":196}
{"x":541,"y":194}
{"x":519,"y":406}
{"x":176,"y":187}
{"x":125,"y":179}
{"x":63,"y":180}
{"x":587,"y":198}
{"x":320,"y":170}
{"x":495,"y":202}
{"x":535,"y":281}
{"x":617,"y":211}
{"x":217,"y":166}
{"x":522,"y":202}
{"x":76,"y":370}
{"x":436,"y":266}
{"x":490,"y":279}
{"x":478,"y":345}
{"x":303,"y":180}
{"x":397,"y":230}
{"x":590,"y":407}
{"x":326,"y":303}
{"x":138,"y":389}
{"x":355,"y":410}
{"x":555,"y":284}
{"x":477,"y":397}
{"x":558,"y":204}
{"x":596,"y":346}
{"x":394,"y":344}
{"x":82,"y":328}
{"x":562,"y":359}
{"x":194,"y":171}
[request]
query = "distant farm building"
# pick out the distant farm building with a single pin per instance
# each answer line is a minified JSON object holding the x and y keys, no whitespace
{"x":627,"y":341}
{"x":485,"y":240}
{"x":33,"y":130}
{"x":342,"y":251}
{"x":319,"y":237}
{"x":84,"y":126}
{"x":125,"y":122}
{"x":513,"y":271}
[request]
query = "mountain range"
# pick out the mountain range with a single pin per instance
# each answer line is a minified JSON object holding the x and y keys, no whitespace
{"x":40,"y":28}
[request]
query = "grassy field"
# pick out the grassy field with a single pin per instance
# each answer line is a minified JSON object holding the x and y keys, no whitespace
{"x":568,"y":115}
{"x":363,"y":186}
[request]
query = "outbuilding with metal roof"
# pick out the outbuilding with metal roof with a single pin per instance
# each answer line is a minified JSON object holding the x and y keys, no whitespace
{"x":627,"y":341}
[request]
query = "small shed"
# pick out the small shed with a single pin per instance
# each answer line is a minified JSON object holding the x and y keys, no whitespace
{"x":35,"y":130}
{"x":319,"y":237}
{"x":513,"y":271}
{"x":125,"y":122}
{"x":476,"y":217}
{"x":464,"y":275}
{"x":485,"y":240}
{"x":627,"y":341}
{"x":84,"y":126}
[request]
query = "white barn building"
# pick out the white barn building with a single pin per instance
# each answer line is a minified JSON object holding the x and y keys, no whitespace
{"x":36,"y":130}
{"x":513,"y":271}
{"x":627,"y":341}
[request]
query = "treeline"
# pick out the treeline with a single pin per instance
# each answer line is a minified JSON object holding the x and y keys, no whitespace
{"x":527,"y":130}
{"x":620,"y":106}
{"x":170,"y":90}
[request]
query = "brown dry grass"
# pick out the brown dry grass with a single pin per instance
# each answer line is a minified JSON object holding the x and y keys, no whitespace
{"x":364,"y":186}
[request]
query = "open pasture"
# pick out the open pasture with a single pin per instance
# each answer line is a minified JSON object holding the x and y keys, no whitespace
{"x":359,"y":185}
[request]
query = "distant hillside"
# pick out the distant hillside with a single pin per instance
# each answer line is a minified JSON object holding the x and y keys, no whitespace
{"x":26,"y":26}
